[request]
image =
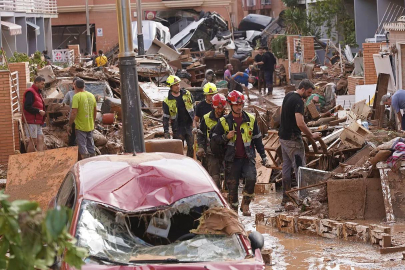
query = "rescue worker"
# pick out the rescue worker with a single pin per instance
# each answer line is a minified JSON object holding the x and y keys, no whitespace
{"x":239,"y":133}
{"x":101,"y":59}
{"x":178,"y":108}
{"x":204,"y":107}
{"x":213,"y":162}
{"x":209,"y":77}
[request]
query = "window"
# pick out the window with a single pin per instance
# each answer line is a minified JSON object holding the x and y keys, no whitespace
{"x":67,"y":192}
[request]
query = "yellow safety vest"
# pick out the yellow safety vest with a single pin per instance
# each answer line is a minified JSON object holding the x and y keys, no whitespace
{"x":172,"y":104}
{"x":209,"y":123}
{"x":247,"y":134}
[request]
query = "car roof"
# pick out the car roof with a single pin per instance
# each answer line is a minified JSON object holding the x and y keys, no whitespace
{"x":147,"y":180}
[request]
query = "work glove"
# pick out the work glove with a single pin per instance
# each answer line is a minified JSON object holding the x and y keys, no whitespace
{"x":265,"y":162}
{"x":167,"y":135}
{"x":201,"y":152}
{"x":195,"y":130}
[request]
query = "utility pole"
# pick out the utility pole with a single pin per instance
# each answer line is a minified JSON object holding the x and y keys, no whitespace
{"x":139,"y":18}
{"x":88,"y":40}
{"x":130,"y":98}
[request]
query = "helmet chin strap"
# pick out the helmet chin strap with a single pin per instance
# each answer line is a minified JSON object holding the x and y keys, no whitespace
{"x":239,"y":114}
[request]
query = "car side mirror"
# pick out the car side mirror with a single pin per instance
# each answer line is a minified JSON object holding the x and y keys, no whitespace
{"x":256,"y":240}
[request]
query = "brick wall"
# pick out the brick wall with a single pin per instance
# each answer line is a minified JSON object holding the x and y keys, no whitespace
{"x":290,"y":47}
{"x":6,"y":120}
{"x":370,"y":74}
{"x":23,"y":76}
{"x":352,"y":82}
{"x":307,"y":44}
{"x":76,"y":51}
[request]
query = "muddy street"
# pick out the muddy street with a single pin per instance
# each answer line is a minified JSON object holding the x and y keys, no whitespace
{"x":292,"y":251}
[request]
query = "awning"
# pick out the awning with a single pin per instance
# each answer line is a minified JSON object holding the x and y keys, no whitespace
{"x":13,"y":28}
{"x":36,"y":27}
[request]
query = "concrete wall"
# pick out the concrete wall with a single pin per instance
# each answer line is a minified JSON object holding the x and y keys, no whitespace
{"x":365,"y":13}
{"x":22,"y":43}
{"x":32,"y":37}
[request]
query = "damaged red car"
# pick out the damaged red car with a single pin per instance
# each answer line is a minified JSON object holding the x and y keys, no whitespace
{"x":153,"y":211}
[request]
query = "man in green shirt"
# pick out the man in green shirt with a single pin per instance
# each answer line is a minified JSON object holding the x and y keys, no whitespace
{"x":83,"y":114}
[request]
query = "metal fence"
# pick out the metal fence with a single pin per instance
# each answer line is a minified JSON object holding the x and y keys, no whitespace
{"x":29,"y":6}
{"x":63,"y":56}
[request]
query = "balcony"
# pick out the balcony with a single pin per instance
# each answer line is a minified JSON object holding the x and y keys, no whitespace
{"x":29,"y":6}
{"x":250,"y":3}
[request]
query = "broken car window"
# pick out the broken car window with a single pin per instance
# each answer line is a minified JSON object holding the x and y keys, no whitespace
{"x":155,"y":234}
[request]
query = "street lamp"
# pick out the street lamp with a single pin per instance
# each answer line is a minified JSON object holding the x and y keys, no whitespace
{"x":130,"y":98}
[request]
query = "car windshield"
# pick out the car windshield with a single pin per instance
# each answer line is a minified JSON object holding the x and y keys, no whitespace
{"x":155,"y":235}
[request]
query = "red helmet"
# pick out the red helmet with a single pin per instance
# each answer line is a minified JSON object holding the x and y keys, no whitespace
{"x":236,"y":97}
{"x":218,"y":100}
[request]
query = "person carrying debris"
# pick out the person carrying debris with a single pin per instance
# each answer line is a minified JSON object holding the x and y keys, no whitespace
{"x":228,"y":72}
{"x":209,"y":77}
{"x":178,"y":108}
{"x":101,"y":59}
{"x":68,"y":101}
{"x":269,"y":64}
{"x":291,"y":125}
{"x":240,"y":135}
{"x":397,"y":102}
{"x":259,"y":62}
{"x":213,"y":161}
{"x":240,"y":81}
{"x":34,"y":115}
{"x":83,"y":114}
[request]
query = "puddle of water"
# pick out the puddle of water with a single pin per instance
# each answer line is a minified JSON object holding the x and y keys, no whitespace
{"x":310,"y":252}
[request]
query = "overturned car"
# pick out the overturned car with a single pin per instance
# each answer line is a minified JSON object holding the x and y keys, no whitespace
{"x":154,"y":211}
{"x":210,"y":31}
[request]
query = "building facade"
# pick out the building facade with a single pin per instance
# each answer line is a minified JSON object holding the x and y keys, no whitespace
{"x":26,"y":25}
{"x":270,"y":8}
{"x":69,"y":27}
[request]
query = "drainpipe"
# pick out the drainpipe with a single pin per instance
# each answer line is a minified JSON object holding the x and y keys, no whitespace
{"x":88,"y":40}
{"x":130,"y":98}
{"x":139,"y":17}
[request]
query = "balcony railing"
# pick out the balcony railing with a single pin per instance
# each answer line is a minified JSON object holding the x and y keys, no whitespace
{"x":29,"y":6}
{"x":266,"y":2}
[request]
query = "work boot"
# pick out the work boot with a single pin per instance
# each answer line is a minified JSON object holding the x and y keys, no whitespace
{"x":245,"y":206}
{"x":270,"y":90}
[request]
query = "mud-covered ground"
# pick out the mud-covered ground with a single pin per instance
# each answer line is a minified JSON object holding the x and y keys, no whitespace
{"x":306,"y":252}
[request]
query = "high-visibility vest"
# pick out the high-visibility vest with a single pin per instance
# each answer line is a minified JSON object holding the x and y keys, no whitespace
{"x":247,"y":127}
{"x":210,"y":123}
{"x":172,"y":104}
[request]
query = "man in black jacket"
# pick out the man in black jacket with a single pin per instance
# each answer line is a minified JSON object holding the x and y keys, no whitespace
{"x":239,"y":132}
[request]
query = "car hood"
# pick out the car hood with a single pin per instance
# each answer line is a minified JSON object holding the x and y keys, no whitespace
{"x":254,"y":263}
{"x":147,"y":180}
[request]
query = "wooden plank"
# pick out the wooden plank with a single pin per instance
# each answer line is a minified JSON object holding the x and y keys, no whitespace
{"x":42,"y":183}
{"x":392,"y":249}
{"x":382,"y":87}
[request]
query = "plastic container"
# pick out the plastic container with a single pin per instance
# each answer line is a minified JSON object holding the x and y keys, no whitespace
{"x":108,"y":118}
